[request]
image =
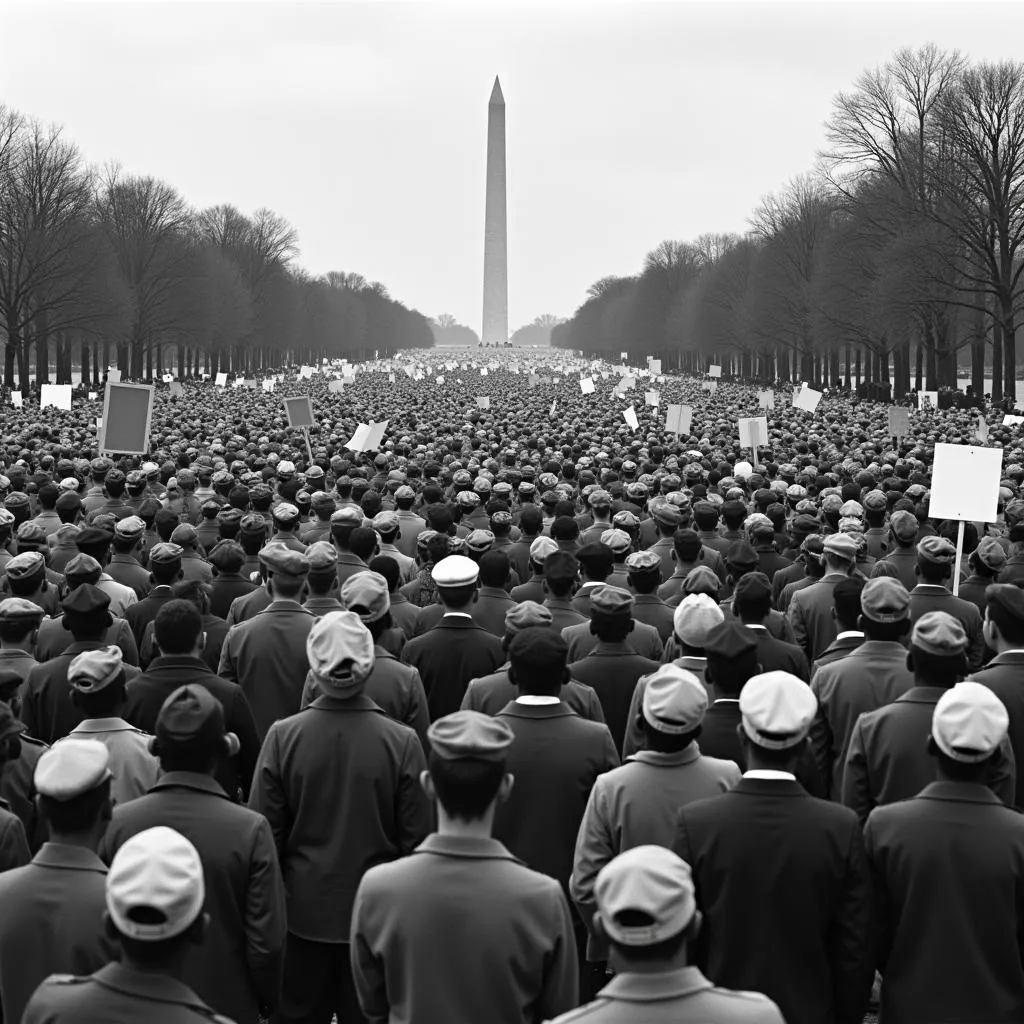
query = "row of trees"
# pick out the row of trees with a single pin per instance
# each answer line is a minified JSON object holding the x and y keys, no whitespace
{"x":448,"y":331}
{"x":896,"y":259}
{"x":99,"y":268}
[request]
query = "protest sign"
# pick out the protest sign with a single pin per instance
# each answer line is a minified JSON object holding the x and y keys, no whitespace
{"x":629,"y":415}
{"x":714,"y":371}
{"x":167,"y":378}
{"x":1010,"y":420}
{"x":928,"y":400}
{"x":654,"y":365}
{"x":306,"y":372}
{"x":221,"y":380}
{"x":587,"y":385}
{"x":16,"y":399}
{"x":766,"y":399}
{"x":269,"y":385}
{"x":92,"y":396}
{"x":806,"y":399}
{"x":336,"y":387}
{"x":114,"y":376}
{"x":57,"y":395}
{"x":299,"y":411}
{"x":678,"y":418}
{"x":753,"y":432}
{"x":899,"y":421}
{"x":652,"y":398}
{"x":709,"y":385}
{"x":483,"y":402}
{"x":127,"y":412}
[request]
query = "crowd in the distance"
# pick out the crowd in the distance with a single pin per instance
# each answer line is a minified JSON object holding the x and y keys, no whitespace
{"x":525,"y":716}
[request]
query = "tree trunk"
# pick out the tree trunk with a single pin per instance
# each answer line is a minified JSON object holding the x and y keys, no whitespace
{"x":84,"y":356}
{"x":10,"y":352}
{"x":997,"y":361}
{"x":1009,"y":351}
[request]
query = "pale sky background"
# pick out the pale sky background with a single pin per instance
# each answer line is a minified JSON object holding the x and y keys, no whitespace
{"x":364,"y":124}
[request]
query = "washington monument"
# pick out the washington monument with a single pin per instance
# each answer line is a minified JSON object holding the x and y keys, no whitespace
{"x":495,"y":326}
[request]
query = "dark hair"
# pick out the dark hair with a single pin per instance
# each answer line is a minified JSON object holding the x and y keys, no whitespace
{"x":531,"y":520}
{"x":16,"y":630}
{"x":363,"y":542}
{"x":657,"y":952}
{"x":165,"y":573}
{"x":597,"y":560}
{"x":666,"y":742}
{"x":730,"y":675}
{"x":177,"y":627}
{"x":886,"y":631}
{"x":846,"y":598}
{"x":103,"y":703}
{"x":465,"y":788}
{"x":494,"y":569}
{"x":537,"y":659}
{"x":962,"y":771}
{"x":645,"y":581}
{"x":936,"y":669}
{"x":930,"y":572}
{"x":1010,"y":629}
{"x":779,"y":760}
{"x":78,"y":814}
{"x":91,"y":626}
{"x":611,"y":629}
{"x":388,"y":568}
{"x":749,"y":605}
{"x":456,"y":597}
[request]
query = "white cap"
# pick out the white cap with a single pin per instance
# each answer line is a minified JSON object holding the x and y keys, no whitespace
{"x":695,"y":617}
{"x":155,"y":886}
{"x":71,"y":768}
{"x":541,"y":548}
{"x":455,"y":571}
{"x":674,"y":700}
{"x":777,"y":709}
{"x":743,"y":470}
{"x":969,"y":722}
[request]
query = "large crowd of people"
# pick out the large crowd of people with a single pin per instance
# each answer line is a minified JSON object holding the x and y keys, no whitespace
{"x":535,"y":712}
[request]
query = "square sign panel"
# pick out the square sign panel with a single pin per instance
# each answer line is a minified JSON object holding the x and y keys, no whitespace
{"x":127,"y":411}
{"x":299,"y":411}
{"x":965,"y":483}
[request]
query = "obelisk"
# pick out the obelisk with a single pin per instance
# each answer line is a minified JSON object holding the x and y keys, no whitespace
{"x":495,"y":325}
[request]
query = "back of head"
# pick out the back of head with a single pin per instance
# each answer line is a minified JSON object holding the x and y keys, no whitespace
{"x":467,"y":762}
{"x":846,"y":599}
{"x":938,"y":650}
{"x":561,"y":570}
{"x":537,"y":660}
{"x":362,"y":542}
{"x":178,"y":627}
{"x":597,"y":561}
{"x":494,"y":569}
{"x":389,"y":569}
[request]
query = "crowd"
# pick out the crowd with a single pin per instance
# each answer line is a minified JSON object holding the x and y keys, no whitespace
{"x":528,"y":715}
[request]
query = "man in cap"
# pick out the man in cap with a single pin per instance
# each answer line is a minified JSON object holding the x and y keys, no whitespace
{"x":208,"y":531}
{"x":612,"y":666}
{"x":810,"y":611}
{"x":266,"y":654}
{"x":751,"y":604}
{"x":490,"y":693}
{"x":25,"y":577}
{"x":885,"y":761}
{"x":338,"y":784}
{"x":393,"y":686}
{"x":411,"y":525}
{"x":939,"y":857}
{"x":806,"y":570}
{"x":582,"y":639}
{"x":877,"y":536}
{"x":124,"y":566}
{"x":96,"y":543}
{"x":227,"y":558}
{"x":179,"y":635}
{"x":456,"y":649}
{"x":510,"y":922}
{"x":532,"y":589}
{"x":690,"y":553}
{"x":165,"y":570}
{"x":388,"y":527}
{"x":985,"y":563}
{"x":94,"y":497}
{"x":185,"y":505}
{"x":1004,"y":633}
{"x":638,"y":804}
{"x":646,"y":912}
{"x":404,"y":613}
{"x":47,"y":708}
{"x":493,"y":599}
{"x":903,"y":526}
{"x":193,"y":565}
{"x":98,"y":690}
{"x":155,"y":896}
{"x":846,"y":609}
{"x":323,"y":506}
{"x":322,"y":587}
{"x":286,"y":519}
{"x":52,"y":920}
{"x":555,"y":757}
{"x":561,"y":575}
{"x":343,"y":523}
{"x":14,"y":851}
{"x":239,"y":964}
{"x":643,"y":576}
{"x":935,"y":559}
{"x":46,"y":518}
{"x":768,"y":844}
{"x":600,"y":504}
{"x":20,"y":620}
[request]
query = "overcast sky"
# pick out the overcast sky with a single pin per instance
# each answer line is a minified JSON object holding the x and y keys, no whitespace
{"x":364,"y":124}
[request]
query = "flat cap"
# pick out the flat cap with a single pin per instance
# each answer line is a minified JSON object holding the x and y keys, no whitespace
{"x":990,"y":553}
{"x":904,"y":525}
{"x":875,"y":501}
{"x":467,"y":499}
{"x":227,"y":556}
{"x":885,"y":599}
{"x":71,"y":768}
{"x":188,"y":714}
{"x":340,"y":652}
{"x":366,"y":594}
{"x":777,"y":709}
{"x":666,"y":514}
{"x":852,"y":509}
{"x":30,"y":532}
{"x":455,"y":571}
{"x":348,"y":515}
{"x":285,"y":513}
{"x":480,"y":541}
{"x":17,"y":609}
{"x":185,"y":535}
{"x":165,"y":554}
{"x":541,"y":548}
{"x":702,"y":580}
{"x":940,"y":634}
{"x":695,"y":616}
{"x":283,"y":561}
{"x":285,"y":468}
{"x":253,"y":524}
{"x":729,"y":640}
{"x":83,"y":567}
{"x":969,"y":722}
{"x":525,"y":615}
{"x":25,"y":565}
{"x":1008,"y":597}
{"x":405,"y":493}
{"x":841,"y":545}
{"x":469,"y":736}
{"x":753,"y":586}
{"x":321,"y":501}
{"x":7,"y":517}
{"x":92,"y":671}
{"x":322,"y":556}
{"x":674,"y":700}
{"x":643,"y":562}
{"x":741,"y":555}
{"x":386,"y":522}
{"x":625,"y":520}
{"x":612,"y":602}
{"x":936,"y":550}
{"x":155,"y":887}
{"x":129,"y":528}
{"x":229,"y":514}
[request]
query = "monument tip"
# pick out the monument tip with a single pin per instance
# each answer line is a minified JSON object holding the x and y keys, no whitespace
{"x":496,"y":95}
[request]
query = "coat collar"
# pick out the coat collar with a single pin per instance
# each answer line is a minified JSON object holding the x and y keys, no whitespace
{"x":1015,"y":658}
{"x":88,"y":725}
{"x":653,"y":757}
{"x":190,"y":780}
{"x":559,"y":710}
{"x":173,"y":661}
{"x":921,"y":695}
{"x":146,"y":985}
{"x":464,"y":846}
{"x":654,"y":988}
{"x":69,"y":858}
{"x":959,"y":792}
{"x":769,"y":787}
{"x":328,"y":702}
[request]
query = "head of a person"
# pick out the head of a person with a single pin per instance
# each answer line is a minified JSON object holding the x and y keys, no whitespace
{"x":672,"y":709}
{"x":344,"y":523}
{"x":531,"y":521}
{"x":969,"y":724}
{"x":846,"y":603}
{"x":731,"y":652}
{"x":938,"y":650}
{"x":884,"y":609}
{"x":988,"y":558}
{"x":87,"y":613}
{"x":740,"y":559}
{"x":155,"y":895}
{"x":466,"y":774}
{"x":776,"y":711}
{"x":561,"y":573}
{"x":646,"y":909}
{"x":285,"y":570}
{"x":524,"y":615}
{"x":363,"y":543}
{"x":695,"y":616}
{"x":456,"y":578}
{"x":840,"y":553}
{"x":752,"y":598}
{"x":596,"y":561}
{"x":387,"y":567}
{"x":341,"y":656}
{"x":1003,"y":627}
{"x":538,"y":660}
{"x":935,"y":558}
{"x":178,"y":629}
{"x":643,"y":572}
{"x":190,"y":733}
{"x":26,"y":574}
{"x":165,"y":564}
{"x":611,"y":614}
{"x":97,"y":682}
{"x":19,"y":621}
{"x":903,"y":526}
{"x":367,"y":594}
{"x":72,"y":783}
{"x":495,"y":569}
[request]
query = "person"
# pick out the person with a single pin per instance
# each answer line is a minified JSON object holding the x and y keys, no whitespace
{"x":154,"y":900}
{"x":870,"y":677}
{"x":124,"y":566}
{"x":47,"y":708}
{"x":14,"y":851}
{"x":227,"y":557}
{"x":846,"y":609}
{"x":613,"y":667}
{"x":986,"y":561}
{"x":810,"y":610}
{"x":265,"y":655}
{"x":456,"y":649}
{"x":643,"y":575}
{"x":490,"y":693}
{"x":239,"y":964}
{"x":512,"y":924}
{"x":646,"y":910}
{"x":178,"y":631}
{"x":98,"y":690}
{"x":561,"y":575}
{"x":338,"y":784}
{"x":903,"y":527}
{"x":884,"y":763}
{"x":751,"y":604}
{"x":492,"y":601}
{"x":19,"y":628}
{"x":768,"y":844}
{"x":165,"y":570}
{"x":52,"y":920}
{"x":957,"y":957}
{"x":638,"y":803}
